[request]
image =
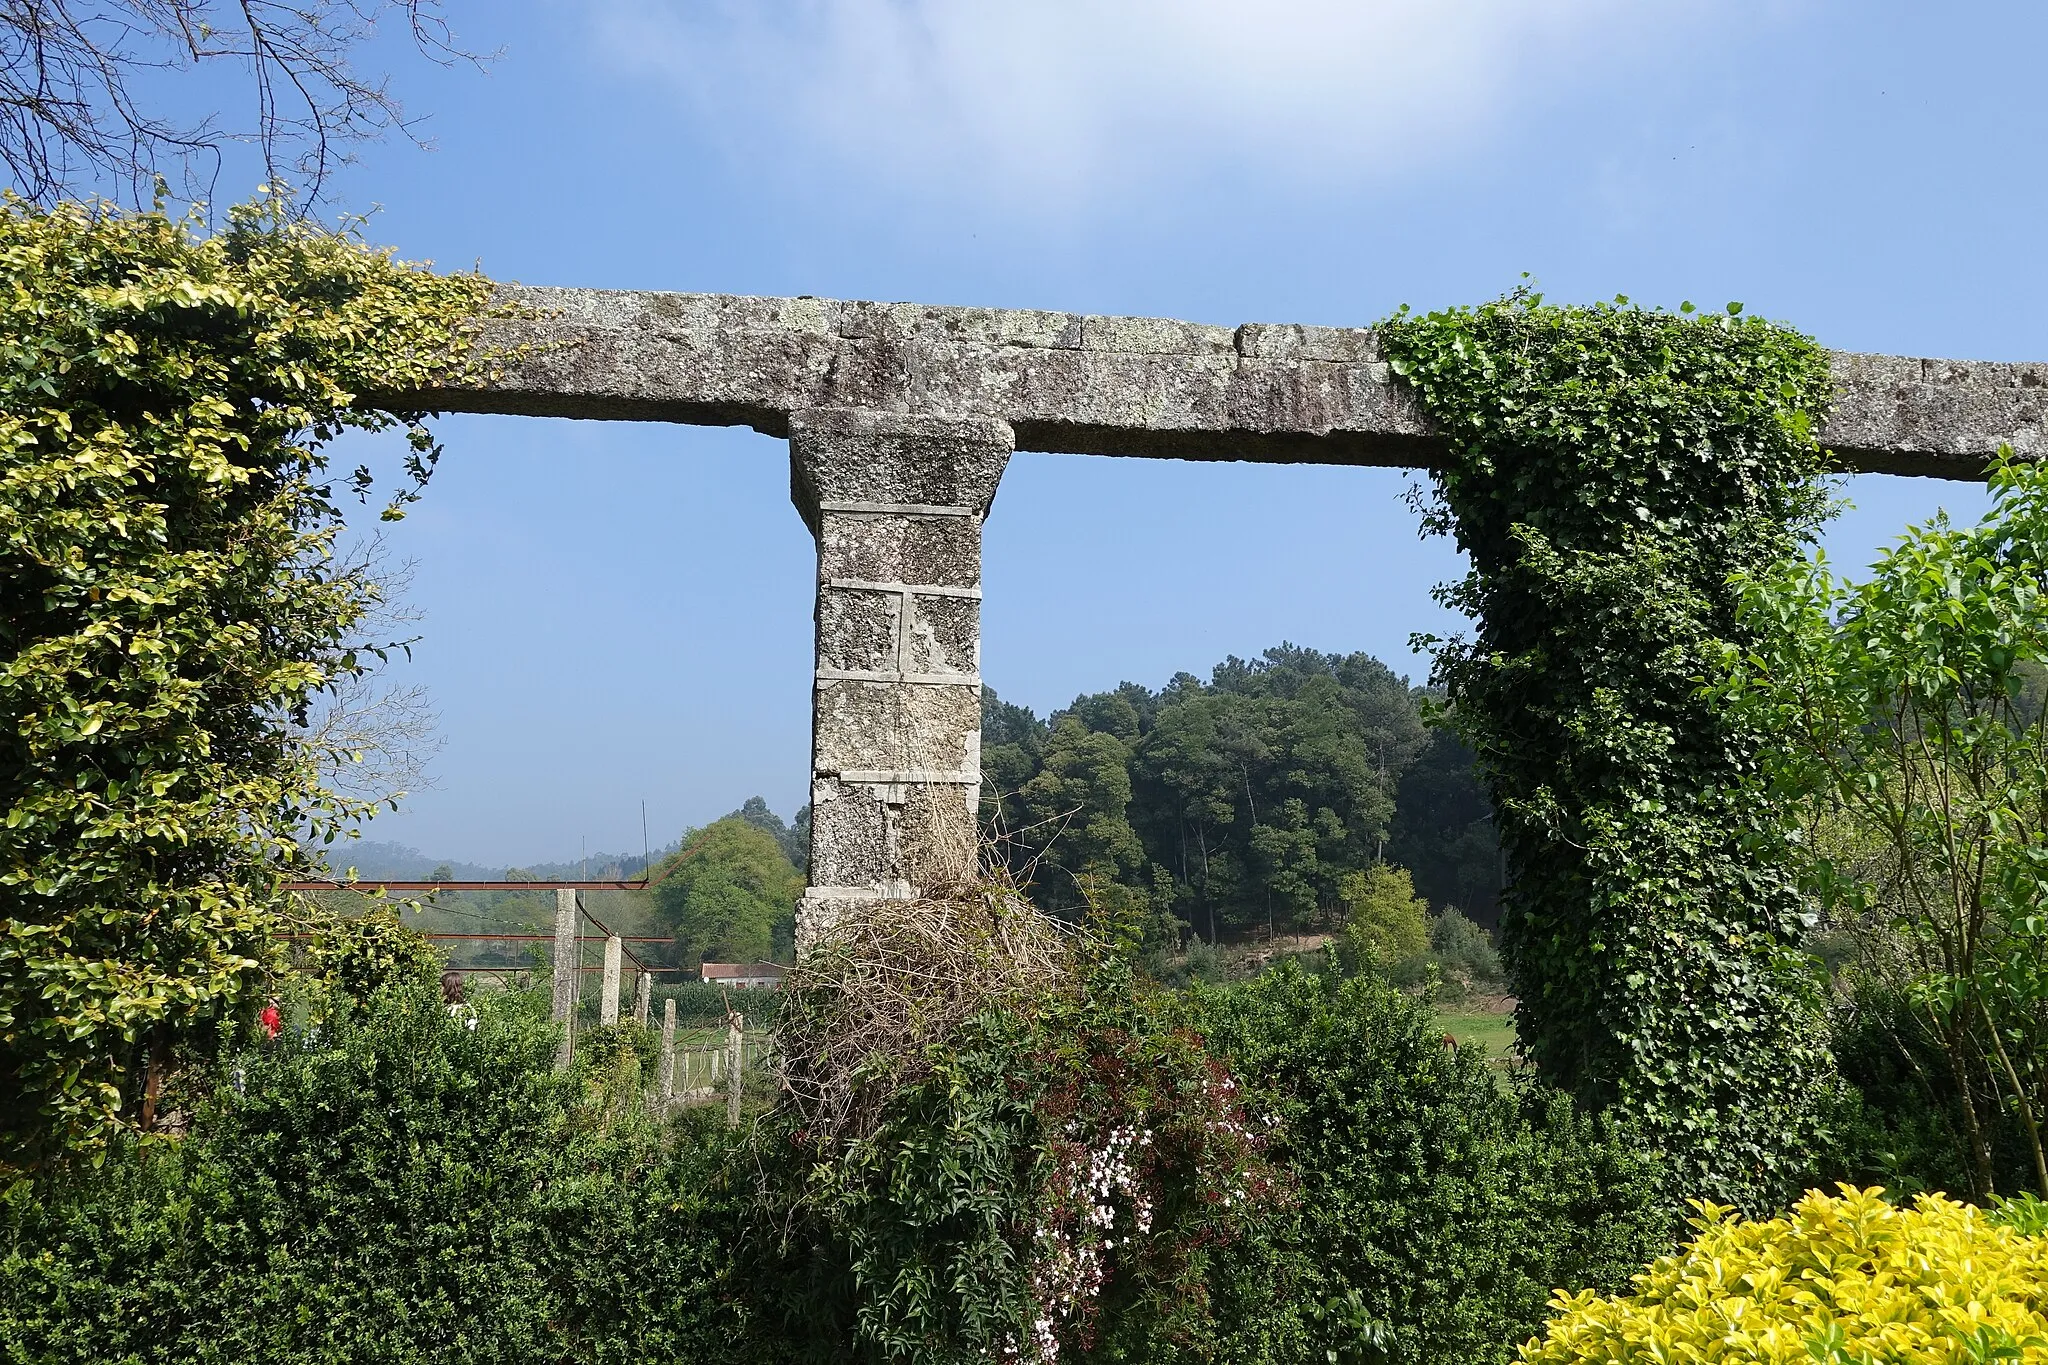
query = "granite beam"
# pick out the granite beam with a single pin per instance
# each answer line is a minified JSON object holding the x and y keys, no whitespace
{"x":1273,"y":392}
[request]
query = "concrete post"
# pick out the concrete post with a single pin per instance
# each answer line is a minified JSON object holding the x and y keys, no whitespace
{"x":668,"y":1054}
{"x":896,"y":503}
{"x":567,"y":960}
{"x":643,"y":998}
{"x":608,"y":1002}
{"x":735,"y":1040}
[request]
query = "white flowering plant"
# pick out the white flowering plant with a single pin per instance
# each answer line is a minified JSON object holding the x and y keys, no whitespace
{"x":1050,"y":1185}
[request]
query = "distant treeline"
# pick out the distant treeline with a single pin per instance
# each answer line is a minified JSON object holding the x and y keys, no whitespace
{"x":1240,"y":803}
{"x":1251,"y":801}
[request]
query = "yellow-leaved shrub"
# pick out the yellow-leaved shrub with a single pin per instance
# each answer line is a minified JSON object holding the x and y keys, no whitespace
{"x":1845,"y":1279}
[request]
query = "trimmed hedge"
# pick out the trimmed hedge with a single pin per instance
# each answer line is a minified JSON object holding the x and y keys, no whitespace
{"x":1437,"y":1205}
{"x":386,"y":1186}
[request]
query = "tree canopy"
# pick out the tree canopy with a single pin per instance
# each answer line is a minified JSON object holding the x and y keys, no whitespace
{"x":728,"y":894}
{"x":1243,"y":802}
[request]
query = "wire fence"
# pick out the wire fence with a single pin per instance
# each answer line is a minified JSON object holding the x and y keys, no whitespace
{"x":703,"y":1071}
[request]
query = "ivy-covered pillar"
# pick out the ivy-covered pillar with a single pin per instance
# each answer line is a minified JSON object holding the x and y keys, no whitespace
{"x":896,"y":503}
{"x":1609,"y":472}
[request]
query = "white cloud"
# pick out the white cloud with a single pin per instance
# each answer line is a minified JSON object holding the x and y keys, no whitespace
{"x":1029,"y":98}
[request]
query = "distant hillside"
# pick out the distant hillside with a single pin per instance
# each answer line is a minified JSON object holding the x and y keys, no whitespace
{"x":377,"y":859}
{"x":374,"y":860}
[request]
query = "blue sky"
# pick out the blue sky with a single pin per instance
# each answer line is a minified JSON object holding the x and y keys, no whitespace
{"x":614,"y":613}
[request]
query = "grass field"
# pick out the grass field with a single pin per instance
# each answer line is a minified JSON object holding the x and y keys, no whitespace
{"x":1492,"y":1031}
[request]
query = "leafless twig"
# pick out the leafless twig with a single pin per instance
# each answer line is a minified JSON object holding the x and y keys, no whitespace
{"x":84,"y":85}
{"x":862,"y":1008}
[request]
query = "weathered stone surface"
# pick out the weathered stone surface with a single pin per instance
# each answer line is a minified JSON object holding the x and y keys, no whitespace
{"x":881,"y":459}
{"x":849,"y":835}
{"x":1119,"y":386}
{"x":858,"y":630}
{"x":928,"y":729}
{"x":944,"y":551}
{"x":896,"y":502}
{"x":944,"y":636}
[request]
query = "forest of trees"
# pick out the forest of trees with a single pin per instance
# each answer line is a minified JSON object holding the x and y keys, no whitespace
{"x":1255,"y":801}
{"x":1259,"y":801}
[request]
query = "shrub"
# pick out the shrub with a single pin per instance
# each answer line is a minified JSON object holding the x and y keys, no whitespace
{"x":383,"y":1184}
{"x":1899,"y":1122}
{"x":991,"y":1146}
{"x":170,"y":607}
{"x":1842,"y":1279}
{"x":1906,"y":725}
{"x":1464,"y":951}
{"x":1385,"y":921}
{"x":1435,"y":1207}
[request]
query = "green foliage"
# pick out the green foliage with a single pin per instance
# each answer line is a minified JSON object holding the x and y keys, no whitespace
{"x":1905,"y":721}
{"x":1435,"y":1208}
{"x":794,"y":837}
{"x":1443,"y":830}
{"x":1607,"y":470}
{"x":1268,"y":1173}
{"x":384,"y":1184}
{"x":1384,"y":921}
{"x":358,"y":955}
{"x":729,"y":894}
{"x":1840,"y":1280}
{"x":699,"y":1003}
{"x":1238,"y":803}
{"x":1464,"y":951}
{"x":1053,"y":1179}
{"x":168,"y":606}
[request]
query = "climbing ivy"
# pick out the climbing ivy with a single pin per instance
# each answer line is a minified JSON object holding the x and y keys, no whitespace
{"x":169,"y":608}
{"x":1606,"y":470}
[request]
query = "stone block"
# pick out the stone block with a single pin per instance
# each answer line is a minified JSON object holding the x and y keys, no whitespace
{"x":881,"y":548}
{"x":857,"y":629}
{"x":850,"y":836}
{"x":1294,"y":342}
{"x":944,"y":636}
{"x":868,"y":457}
{"x":886,"y":727}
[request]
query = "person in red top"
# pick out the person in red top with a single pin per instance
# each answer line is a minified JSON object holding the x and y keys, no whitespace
{"x":272,"y":1020}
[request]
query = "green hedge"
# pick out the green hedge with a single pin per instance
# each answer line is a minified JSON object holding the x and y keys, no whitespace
{"x":700,"y":1004}
{"x":1436,"y":1205}
{"x":385,"y":1186}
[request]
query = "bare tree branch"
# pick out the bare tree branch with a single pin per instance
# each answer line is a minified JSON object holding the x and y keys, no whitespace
{"x":82,"y":84}
{"x":374,"y":738}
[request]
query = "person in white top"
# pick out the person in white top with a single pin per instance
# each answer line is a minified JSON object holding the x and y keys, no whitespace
{"x":459,"y":1009}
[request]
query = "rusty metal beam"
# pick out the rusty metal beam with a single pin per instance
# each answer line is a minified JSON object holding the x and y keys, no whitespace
{"x":466,"y":886}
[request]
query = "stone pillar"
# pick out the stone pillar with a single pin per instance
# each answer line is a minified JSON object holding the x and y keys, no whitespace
{"x":668,"y":1054}
{"x":643,"y":998}
{"x":608,"y":1002}
{"x":896,"y":503}
{"x":567,"y":960}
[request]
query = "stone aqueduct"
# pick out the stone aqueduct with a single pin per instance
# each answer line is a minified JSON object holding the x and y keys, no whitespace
{"x":901,"y":417}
